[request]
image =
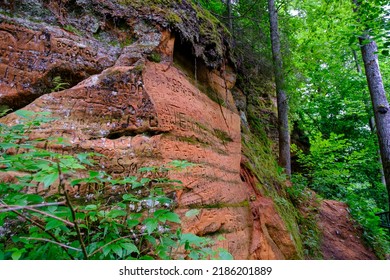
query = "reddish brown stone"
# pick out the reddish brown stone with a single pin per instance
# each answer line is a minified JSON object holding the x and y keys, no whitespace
{"x":31,"y":58}
{"x":139,"y":113}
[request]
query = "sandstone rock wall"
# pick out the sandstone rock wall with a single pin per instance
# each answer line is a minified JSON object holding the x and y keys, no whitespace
{"x":137,"y":112}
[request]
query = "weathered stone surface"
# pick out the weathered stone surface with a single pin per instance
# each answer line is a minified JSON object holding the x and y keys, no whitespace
{"x":32,"y":57}
{"x":140,"y":113}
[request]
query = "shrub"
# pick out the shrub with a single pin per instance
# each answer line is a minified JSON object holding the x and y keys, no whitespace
{"x":40,"y":219}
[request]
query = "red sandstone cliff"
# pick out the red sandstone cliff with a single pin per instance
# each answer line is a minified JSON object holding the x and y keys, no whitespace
{"x":143,"y":85}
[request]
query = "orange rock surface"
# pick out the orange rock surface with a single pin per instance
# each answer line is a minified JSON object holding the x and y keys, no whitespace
{"x":141,"y":113}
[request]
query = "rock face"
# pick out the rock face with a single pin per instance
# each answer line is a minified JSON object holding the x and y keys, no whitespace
{"x":32,"y":57}
{"x":144,"y":103}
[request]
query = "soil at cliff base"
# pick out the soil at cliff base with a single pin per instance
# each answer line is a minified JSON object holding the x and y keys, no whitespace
{"x":341,"y":238}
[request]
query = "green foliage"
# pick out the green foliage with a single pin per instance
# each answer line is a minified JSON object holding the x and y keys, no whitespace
{"x":40,"y":218}
{"x":58,"y":84}
{"x":148,"y":2}
{"x":363,"y":209}
{"x":73,"y":29}
{"x":222,"y":135}
{"x":155,"y":57}
{"x":307,"y":203}
{"x":215,"y":6}
{"x":337,"y":169}
{"x":262,"y":163}
{"x":173,"y":18}
{"x":326,"y":163}
{"x":331,"y":104}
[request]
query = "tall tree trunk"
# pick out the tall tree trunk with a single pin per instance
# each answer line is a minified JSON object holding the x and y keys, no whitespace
{"x":230,"y":18}
{"x":371,"y":120}
{"x":282,"y":102}
{"x":379,"y":103}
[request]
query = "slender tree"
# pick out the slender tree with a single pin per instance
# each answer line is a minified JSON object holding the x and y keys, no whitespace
{"x":229,"y":12}
{"x":371,"y":120}
{"x":282,"y":102}
{"x":379,"y":102}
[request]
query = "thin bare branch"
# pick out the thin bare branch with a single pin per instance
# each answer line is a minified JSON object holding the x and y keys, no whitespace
{"x":69,"y":203}
{"x":54,"y":242}
{"x":40,"y":227}
{"x":17,"y":207}
{"x":45,"y":214}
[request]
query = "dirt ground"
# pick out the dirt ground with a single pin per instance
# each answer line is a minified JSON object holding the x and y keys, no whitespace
{"x":341,"y":239}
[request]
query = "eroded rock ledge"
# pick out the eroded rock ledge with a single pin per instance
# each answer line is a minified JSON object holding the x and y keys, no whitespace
{"x":147,"y":84}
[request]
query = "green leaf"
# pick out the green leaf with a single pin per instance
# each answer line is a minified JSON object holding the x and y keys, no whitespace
{"x":221,"y":238}
{"x":84,"y":158}
{"x":25,"y":114}
{"x":225,"y":255}
{"x":49,"y":179}
{"x":77,"y":181}
{"x":181,"y":164}
{"x":7,"y":145}
{"x":34,"y":198}
{"x":148,"y":169}
{"x":83,"y":226}
{"x":130,"y":197}
{"x":191,"y":238}
{"x":135,"y":216}
{"x":192,"y":213}
{"x":53,"y":223}
{"x":352,"y":40}
{"x":91,"y":207}
{"x":117,"y":249}
{"x":127,"y":180}
{"x":116,"y":213}
{"x":172,"y":217}
{"x":147,"y":258}
{"x":194,"y":255}
{"x":136,"y":185}
{"x":160,"y":212}
{"x":145,"y":181}
{"x":129,"y":247}
{"x":150,"y":224}
{"x":17,"y":254}
{"x":106,"y":250}
{"x":94,"y":174}
{"x":132,"y":223}
{"x":151,"y":239}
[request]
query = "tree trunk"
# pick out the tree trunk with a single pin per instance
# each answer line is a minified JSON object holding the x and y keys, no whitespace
{"x":282,"y":102}
{"x":371,"y":120}
{"x":379,"y":104}
{"x":230,"y":18}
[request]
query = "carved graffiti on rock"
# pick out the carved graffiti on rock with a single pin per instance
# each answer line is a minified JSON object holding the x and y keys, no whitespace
{"x":112,"y":105}
{"x":73,"y":49}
